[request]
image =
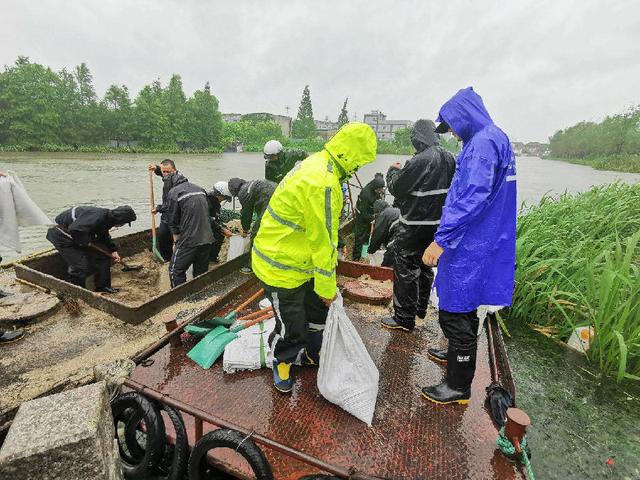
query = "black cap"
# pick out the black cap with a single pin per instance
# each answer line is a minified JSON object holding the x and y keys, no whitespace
{"x":443,"y":127}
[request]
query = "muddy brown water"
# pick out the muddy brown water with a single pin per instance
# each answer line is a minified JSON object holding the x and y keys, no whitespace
{"x":57,"y":181}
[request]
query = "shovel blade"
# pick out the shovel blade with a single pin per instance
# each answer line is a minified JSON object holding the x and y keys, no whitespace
{"x":132,"y":268}
{"x":224,"y":321}
{"x":198,"y":330}
{"x":209,"y":349}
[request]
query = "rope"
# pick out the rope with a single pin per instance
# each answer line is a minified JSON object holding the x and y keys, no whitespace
{"x":508,"y":449}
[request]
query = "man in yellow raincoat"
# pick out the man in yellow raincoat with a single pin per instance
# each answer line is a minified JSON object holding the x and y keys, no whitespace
{"x":295,"y":252}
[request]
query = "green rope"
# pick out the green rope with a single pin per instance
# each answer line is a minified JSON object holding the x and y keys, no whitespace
{"x":508,"y":449}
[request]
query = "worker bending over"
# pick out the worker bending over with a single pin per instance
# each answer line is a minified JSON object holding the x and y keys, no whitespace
{"x":384,"y":231}
{"x":215,"y":198}
{"x":254,"y":196}
{"x":475,"y":245}
{"x":79,"y":233}
{"x":295,"y":254}
{"x":420,"y":188}
{"x":372,"y":191}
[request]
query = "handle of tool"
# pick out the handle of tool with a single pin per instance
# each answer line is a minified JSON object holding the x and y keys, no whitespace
{"x":252,"y":298}
{"x":33,"y":285}
{"x":359,"y":182}
{"x":108,"y":254}
{"x":255,"y":321}
{"x":492,"y":350}
{"x":152,"y":204}
{"x":256,"y":314}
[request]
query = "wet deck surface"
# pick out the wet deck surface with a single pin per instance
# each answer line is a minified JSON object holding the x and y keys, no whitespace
{"x":411,"y":438}
{"x":60,"y":350}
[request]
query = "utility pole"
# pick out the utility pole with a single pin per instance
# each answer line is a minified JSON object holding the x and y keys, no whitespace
{"x":287,"y":110}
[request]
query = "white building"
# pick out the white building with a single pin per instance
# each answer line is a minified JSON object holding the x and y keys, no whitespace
{"x":385,"y":129}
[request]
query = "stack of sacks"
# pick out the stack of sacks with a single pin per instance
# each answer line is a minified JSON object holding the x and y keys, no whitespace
{"x":250,"y":351}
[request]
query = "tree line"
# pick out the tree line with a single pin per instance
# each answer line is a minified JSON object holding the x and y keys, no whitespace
{"x":614,"y":136}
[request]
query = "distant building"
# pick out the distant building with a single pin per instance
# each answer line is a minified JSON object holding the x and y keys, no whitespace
{"x":532,"y":149}
{"x":384,"y":129}
{"x":282,"y":120}
{"x":326,"y":129}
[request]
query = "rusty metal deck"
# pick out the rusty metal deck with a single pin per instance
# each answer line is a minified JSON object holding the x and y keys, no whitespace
{"x":411,"y":438}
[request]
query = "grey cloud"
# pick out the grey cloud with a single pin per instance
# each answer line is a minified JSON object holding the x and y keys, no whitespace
{"x":540,"y":65}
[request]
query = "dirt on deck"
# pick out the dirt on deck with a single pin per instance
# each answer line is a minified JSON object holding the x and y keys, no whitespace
{"x":60,"y":349}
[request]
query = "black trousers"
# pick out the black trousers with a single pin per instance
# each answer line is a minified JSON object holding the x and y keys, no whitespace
{"x":183,"y":257}
{"x":461,"y":329}
{"x":412,"y":279}
{"x":218,"y":240}
{"x":389,"y":258}
{"x":81,"y":262}
{"x":362,"y":232}
{"x":165,"y":241}
{"x":300,"y":319}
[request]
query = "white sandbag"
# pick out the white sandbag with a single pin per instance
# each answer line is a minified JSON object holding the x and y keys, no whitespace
{"x":376,"y":258}
{"x":250,"y":351}
{"x":347,"y":376}
{"x":17,"y":210}
{"x":237,"y":246}
{"x":264,"y":303}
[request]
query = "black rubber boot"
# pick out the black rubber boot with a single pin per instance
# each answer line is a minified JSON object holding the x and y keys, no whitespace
{"x":109,"y":290}
{"x":393,"y":324}
{"x":456,"y":388}
{"x":437,"y":355}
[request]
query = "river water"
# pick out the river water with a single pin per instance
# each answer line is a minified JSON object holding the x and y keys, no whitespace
{"x":57,"y":181}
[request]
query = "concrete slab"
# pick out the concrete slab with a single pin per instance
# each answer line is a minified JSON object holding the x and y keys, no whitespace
{"x":65,"y":436}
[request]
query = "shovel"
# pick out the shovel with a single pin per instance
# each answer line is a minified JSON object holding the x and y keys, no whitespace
{"x":202,"y":331}
{"x":209,"y":349}
{"x":498,"y":398}
{"x":233,"y":314}
{"x":154,"y":239}
{"x":125,"y":266}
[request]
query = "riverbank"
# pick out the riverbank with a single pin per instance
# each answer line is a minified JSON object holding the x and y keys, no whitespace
{"x":583,"y":424}
{"x":578,"y":262}
{"x":617,"y":163}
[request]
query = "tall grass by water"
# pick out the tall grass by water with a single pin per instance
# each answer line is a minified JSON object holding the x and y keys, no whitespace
{"x":578,"y":264}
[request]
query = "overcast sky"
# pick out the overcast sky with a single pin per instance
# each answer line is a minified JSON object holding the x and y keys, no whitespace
{"x":539,"y":65}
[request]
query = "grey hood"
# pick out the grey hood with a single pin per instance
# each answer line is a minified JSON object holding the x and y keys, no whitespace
{"x":423,"y":135}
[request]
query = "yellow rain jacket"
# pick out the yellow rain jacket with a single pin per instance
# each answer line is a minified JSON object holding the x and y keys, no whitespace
{"x":298,"y":235}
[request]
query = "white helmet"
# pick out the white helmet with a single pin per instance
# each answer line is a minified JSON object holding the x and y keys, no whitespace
{"x":272,"y":147}
{"x":222,"y":188}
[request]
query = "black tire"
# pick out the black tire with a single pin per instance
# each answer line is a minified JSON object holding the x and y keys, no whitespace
{"x":175,"y":459}
{"x":125,"y":408}
{"x":226,"y":438}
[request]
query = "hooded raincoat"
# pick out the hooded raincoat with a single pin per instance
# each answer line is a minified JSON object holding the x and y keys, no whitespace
{"x":298,"y":235}
{"x":478,"y":226}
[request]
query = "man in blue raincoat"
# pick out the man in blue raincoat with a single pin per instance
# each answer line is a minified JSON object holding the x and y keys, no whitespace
{"x":475,"y":244}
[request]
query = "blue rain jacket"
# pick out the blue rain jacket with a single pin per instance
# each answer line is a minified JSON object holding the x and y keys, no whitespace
{"x":478,"y":226}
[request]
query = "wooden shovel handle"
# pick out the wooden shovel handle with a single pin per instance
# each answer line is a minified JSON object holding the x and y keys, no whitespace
{"x":252,"y":298}
{"x":259,"y":313}
{"x":255,"y":321}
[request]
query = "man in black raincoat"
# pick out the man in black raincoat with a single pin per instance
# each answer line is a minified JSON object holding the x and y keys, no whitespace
{"x":384,"y":230}
{"x":215,"y":198}
{"x":254,"y":196}
{"x":170,"y":178}
{"x":189,"y":222}
{"x":421,"y":189}
{"x":78,"y":229}
{"x":371,"y":192}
